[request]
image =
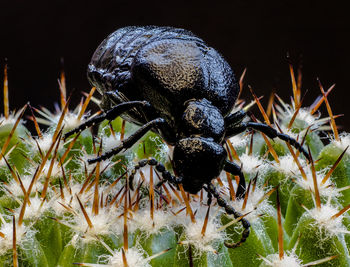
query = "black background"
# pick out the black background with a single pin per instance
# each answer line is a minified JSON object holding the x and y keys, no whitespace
{"x":35,"y":35}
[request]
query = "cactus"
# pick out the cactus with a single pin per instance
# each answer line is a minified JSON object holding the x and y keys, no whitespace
{"x":56,"y":210}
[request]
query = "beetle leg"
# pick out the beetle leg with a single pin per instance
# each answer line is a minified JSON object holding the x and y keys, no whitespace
{"x":130,"y":141}
{"x":109,"y":115}
{"x":230,"y":210}
{"x":234,"y":169}
{"x":166,"y":175}
{"x":269,"y":131}
{"x":210,"y":197}
{"x":235,"y":118}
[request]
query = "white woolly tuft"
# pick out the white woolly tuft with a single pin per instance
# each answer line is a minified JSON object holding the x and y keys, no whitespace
{"x":70,"y":121}
{"x":70,"y":199}
{"x":327,"y":189}
{"x":323,"y":219}
{"x":44,"y":143}
{"x":163,"y":150}
{"x":34,"y":209}
{"x":142,"y":220}
{"x":10,"y":120}
{"x":108,"y":142}
{"x":252,"y":164}
{"x":252,"y":206}
{"x":344,"y":142}
{"x":134,"y":257}
{"x":15,"y":188}
{"x":2,"y":163}
{"x":288,"y":166}
{"x":193,"y":233}
{"x":239,"y":140}
{"x":304,"y":115}
{"x":7,"y":230}
{"x":104,"y":223}
{"x":289,"y":260}
{"x":287,"y":131}
{"x":146,"y":174}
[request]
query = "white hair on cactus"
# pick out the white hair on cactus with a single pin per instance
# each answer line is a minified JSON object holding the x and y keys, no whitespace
{"x":69,"y":198}
{"x":55,"y":172}
{"x":290,"y":260}
{"x":145,"y":177}
{"x":324,"y":220}
{"x":327,"y":189}
{"x":7,"y":230}
{"x":134,"y":257}
{"x":252,"y":206}
{"x":104,"y":223}
{"x":142,"y":220}
{"x":34,"y":208}
{"x":110,"y":141}
{"x":252,"y":164}
{"x":193,"y":230}
{"x":305,"y":115}
{"x":10,"y":120}
{"x":343,"y":142}
{"x":70,"y":120}
{"x":288,"y":166}
{"x":238,"y":140}
{"x":163,"y":150}
{"x":43,"y":143}
{"x":15,"y":188}
{"x":203,"y":243}
{"x":3,"y":163}
{"x":287,"y":131}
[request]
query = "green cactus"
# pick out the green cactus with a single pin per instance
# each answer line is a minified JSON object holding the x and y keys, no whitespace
{"x":64,"y":211}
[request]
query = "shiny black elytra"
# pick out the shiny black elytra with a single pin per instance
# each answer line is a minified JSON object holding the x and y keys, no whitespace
{"x":169,"y":81}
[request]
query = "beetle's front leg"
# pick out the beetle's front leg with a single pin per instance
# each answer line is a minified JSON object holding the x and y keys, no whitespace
{"x":234,"y":169}
{"x":166,"y":175}
{"x":210,"y":188}
{"x":109,"y":115}
{"x":131,"y":140}
{"x":266,"y":129}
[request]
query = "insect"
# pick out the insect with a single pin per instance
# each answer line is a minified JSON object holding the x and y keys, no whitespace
{"x":170,"y":81}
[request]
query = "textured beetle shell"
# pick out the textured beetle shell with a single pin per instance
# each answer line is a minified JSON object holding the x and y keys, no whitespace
{"x":165,"y":66}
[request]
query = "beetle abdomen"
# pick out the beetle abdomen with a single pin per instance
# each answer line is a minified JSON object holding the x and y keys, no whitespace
{"x":111,"y":63}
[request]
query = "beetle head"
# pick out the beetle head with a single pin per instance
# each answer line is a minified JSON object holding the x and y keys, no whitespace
{"x":198,"y":160}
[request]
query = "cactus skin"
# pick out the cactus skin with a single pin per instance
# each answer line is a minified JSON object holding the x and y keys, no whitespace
{"x":316,"y":243}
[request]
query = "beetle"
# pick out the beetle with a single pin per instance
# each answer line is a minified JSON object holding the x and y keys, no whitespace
{"x":170,"y":81}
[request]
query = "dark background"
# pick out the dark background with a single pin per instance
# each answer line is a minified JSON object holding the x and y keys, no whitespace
{"x":35,"y":35}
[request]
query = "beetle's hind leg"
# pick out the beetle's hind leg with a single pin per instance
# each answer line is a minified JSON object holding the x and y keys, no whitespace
{"x":111,"y":114}
{"x":266,"y":129}
{"x":230,"y":210}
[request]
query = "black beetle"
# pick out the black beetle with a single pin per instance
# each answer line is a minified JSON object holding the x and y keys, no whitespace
{"x":171,"y":82}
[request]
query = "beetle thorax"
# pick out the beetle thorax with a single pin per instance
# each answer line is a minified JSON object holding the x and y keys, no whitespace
{"x":201,"y":118}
